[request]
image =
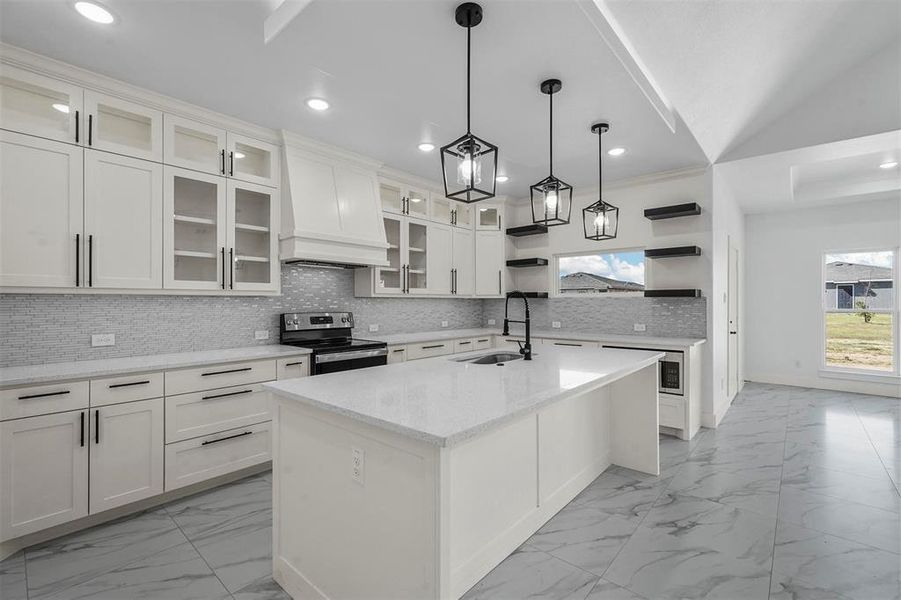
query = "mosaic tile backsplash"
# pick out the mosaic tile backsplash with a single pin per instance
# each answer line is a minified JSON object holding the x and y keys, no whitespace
{"x":38,"y":328}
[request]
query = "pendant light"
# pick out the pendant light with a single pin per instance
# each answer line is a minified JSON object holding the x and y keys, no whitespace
{"x":551,"y":197}
{"x":600,"y":220}
{"x":469,"y":163}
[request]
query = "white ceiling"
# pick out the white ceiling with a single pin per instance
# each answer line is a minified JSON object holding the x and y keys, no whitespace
{"x":733,"y":69}
{"x":394,"y":72}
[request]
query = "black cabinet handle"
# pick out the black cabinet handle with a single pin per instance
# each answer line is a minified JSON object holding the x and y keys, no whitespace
{"x":482,"y":341}
{"x":30,"y":396}
{"x":121,"y":385}
{"x":231,"y":268}
{"x":76,"y":133}
{"x":222,"y":157}
{"x":223,"y":247}
{"x":399,"y":350}
{"x":82,"y":429}
{"x":498,"y":282}
{"x":231,"y":163}
{"x":231,"y":437}
{"x":464,"y":343}
{"x":226,"y":371}
{"x":90,"y":130}
{"x":91,"y":260}
{"x":566,"y":344}
{"x":77,"y":259}
{"x":291,"y":364}
{"x":97,"y":426}
{"x":433,"y":347}
{"x":225,"y":395}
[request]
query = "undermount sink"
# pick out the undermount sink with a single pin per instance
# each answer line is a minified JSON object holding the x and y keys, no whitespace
{"x":492,"y":359}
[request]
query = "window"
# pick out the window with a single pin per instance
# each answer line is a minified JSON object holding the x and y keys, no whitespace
{"x":861,"y":311}
{"x":619,"y":273}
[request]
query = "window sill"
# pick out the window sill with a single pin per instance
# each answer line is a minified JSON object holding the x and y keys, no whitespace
{"x":860,"y":376}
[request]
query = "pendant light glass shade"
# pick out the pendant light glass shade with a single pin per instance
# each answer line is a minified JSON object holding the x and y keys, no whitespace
{"x":469,"y":163}
{"x":600,"y":220}
{"x":551,"y":197}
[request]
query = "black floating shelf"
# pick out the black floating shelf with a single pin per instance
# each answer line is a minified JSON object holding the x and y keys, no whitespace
{"x":533,"y":294}
{"x":526,"y":230}
{"x":672,"y":252}
{"x":672,"y":293}
{"x":527,"y":262}
{"x":671,"y":212}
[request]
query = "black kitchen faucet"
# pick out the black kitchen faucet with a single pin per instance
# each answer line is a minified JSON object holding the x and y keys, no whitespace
{"x":525,"y":350}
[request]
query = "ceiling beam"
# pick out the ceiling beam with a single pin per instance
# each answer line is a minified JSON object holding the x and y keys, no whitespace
{"x":281,"y":17}
{"x":613,"y":35}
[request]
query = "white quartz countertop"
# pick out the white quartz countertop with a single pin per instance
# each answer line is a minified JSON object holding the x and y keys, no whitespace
{"x":106,"y":367}
{"x":443,"y":401}
{"x":560,"y":334}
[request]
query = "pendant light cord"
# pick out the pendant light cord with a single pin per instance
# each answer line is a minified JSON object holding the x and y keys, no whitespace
{"x":551,"y":137}
{"x":468,"y":52}
{"x":600,"y":166}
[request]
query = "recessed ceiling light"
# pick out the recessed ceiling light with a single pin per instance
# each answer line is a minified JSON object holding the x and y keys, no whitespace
{"x":616,"y":151}
{"x":239,"y":155}
{"x":426,"y":147}
{"x":502,"y":179}
{"x":94,"y":12}
{"x":63,"y":108}
{"x":889,"y":165}
{"x":317,"y":104}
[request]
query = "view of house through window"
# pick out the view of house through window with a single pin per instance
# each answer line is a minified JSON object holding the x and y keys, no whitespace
{"x":859,"y":306}
{"x":602,"y":273}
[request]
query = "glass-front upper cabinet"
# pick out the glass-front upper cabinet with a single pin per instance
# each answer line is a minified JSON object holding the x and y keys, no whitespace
{"x":193,"y":145}
{"x":390,"y":279}
{"x":488,"y":216}
{"x":442,"y":209}
{"x":417,"y":256}
{"x":194,"y":235}
{"x":122,"y":127}
{"x":251,"y":160}
{"x":252,"y":237}
{"x":417,"y":203}
{"x":462,"y":215}
{"x":392,"y":197}
{"x":41,"y":106}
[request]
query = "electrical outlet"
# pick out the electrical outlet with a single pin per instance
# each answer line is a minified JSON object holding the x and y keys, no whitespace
{"x":639,"y":327}
{"x":492,"y":322}
{"x":103,"y":339}
{"x":373,"y":328}
{"x":555,"y":324}
{"x":358,"y":464}
{"x":444,"y":323}
{"x":262,"y":334}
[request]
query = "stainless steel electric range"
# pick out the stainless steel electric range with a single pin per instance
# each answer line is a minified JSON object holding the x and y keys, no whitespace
{"x":330,"y":336}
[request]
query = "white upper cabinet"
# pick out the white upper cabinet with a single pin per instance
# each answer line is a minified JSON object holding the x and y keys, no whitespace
{"x":41,"y":106}
{"x":462,"y":215}
{"x":123,"y":221}
{"x":392,"y":197}
{"x":390,"y":279}
{"x":252,"y":225}
{"x":418,"y":203}
{"x":252,"y":160}
{"x":440,"y":257}
{"x":463,"y":262}
{"x":488,"y":216}
{"x":122,"y":127}
{"x":193,"y":145}
{"x":41,"y":212}
{"x":442,"y":210}
{"x":489,"y":267}
{"x":194,"y":235}
{"x":418,"y":255}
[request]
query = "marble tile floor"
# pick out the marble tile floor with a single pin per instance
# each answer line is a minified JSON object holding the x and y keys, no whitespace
{"x":794,"y":497}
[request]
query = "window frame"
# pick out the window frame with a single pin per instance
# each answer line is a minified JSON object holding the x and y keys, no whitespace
{"x":859,"y":373}
{"x":555,"y":274}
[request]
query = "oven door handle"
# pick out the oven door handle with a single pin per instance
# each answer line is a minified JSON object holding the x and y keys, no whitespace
{"x":341,"y":356}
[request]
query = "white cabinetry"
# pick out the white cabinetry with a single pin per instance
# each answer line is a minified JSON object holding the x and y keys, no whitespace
{"x":126,"y":453}
{"x":40,"y":106}
{"x":43,"y":472}
{"x":441,"y":259}
{"x":489,"y":264}
{"x":123,"y":127}
{"x":463,"y":262}
{"x":123,"y":221}
{"x":194,"y":145}
{"x":41,"y":212}
{"x":252,"y":222}
{"x":251,"y":160}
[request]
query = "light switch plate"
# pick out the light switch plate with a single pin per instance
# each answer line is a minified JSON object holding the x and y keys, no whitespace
{"x":492,"y":322}
{"x":444,"y":323}
{"x":639,"y":327}
{"x":555,"y":324}
{"x":103,"y":339}
{"x":263,"y":334}
{"x":373,"y":328}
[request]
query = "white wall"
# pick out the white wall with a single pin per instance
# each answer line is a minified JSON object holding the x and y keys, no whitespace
{"x":784,"y":254}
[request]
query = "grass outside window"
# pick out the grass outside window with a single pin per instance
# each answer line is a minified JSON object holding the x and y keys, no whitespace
{"x":851,"y":342}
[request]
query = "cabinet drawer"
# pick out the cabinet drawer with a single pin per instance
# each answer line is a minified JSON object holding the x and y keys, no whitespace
{"x":206,"y":413}
{"x":464,"y":345}
{"x":429,"y":349}
{"x":16,"y":403}
{"x":672,"y":412}
{"x":114,"y":390}
{"x":219,"y":376}
{"x":289,"y":368}
{"x":397,"y":354}
{"x":195,"y":460}
{"x":481,"y":343}
{"x":571,"y":343}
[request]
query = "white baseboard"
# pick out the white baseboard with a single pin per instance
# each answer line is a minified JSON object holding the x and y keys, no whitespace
{"x":892,"y":390}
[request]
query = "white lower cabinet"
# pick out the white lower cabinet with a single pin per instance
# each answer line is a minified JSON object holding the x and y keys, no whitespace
{"x":397,"y":354}
{"x":43,"y":472}
{"x":201,"y":458}
{"x":205,"y":413}
{"x":126,"y":453}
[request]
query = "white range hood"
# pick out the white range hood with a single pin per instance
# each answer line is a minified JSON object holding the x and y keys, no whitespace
{"x":331,"y":210}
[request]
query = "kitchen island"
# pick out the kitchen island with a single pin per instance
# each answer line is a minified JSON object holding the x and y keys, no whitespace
{"x":414,"y":480}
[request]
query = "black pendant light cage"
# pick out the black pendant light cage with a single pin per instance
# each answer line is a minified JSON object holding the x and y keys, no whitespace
{"x":600,"y":220}
{"x":469,"y":163}
{"x":551,"y":198}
